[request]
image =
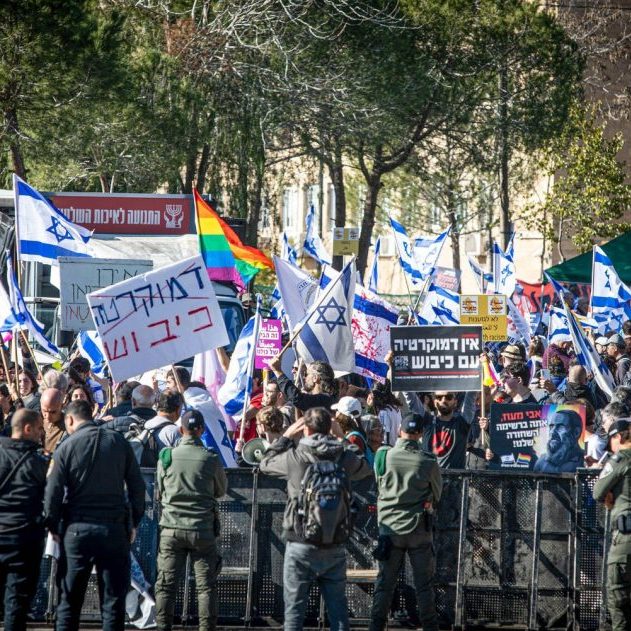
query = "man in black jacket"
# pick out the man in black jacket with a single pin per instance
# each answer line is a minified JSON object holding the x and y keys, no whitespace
{"x":22,"y":481}
{"x":86,"y":489}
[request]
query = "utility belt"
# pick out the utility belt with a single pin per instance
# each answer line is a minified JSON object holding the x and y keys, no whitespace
{"x":623,"y":524}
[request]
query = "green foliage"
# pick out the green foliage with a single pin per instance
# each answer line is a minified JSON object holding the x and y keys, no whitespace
{"x":589,"y":196}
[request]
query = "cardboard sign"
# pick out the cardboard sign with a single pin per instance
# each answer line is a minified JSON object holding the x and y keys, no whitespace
{"x":158,"y":318}
{"x":81,"y":276}
{"x":431,"y":358}
{"x":544,"y":438}
{"x":345,"y":241}
{"x":487,"y":311}
{"x":269,"y":343}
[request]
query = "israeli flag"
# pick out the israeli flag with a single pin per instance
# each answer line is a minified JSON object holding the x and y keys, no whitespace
{"x":482,"y":278}
{"x":558,"y":328}
{"x":288,"y":253}
{"x":371,"y":322}
{"x":326,"y":332}
{"x":587,"y":355}
{"x":373,"y":279}
{"x":238,"y":384}
{"x":504,"y":273}
{"x":89,"y":346}
{"x":611,"y":298}
{"x":24,"y":317}
{"x":406,"y":254}
{"x":427,"y":251}
{"x":518,"y":326}
{"x":297,"y":290}
{"x":440,"y":306}
{"x":313,"y":245}
{"x":43,"y":233}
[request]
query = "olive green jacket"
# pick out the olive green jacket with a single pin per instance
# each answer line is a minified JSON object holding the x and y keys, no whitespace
{"x":616,"y":478}
{"x":190,"y":479}
{"x":407,"y":478}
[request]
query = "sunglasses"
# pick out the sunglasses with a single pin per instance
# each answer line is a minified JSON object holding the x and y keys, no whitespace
{"x":440,"y":397}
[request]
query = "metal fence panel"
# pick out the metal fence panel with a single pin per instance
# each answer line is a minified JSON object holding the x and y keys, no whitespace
{"x":527,"y":551}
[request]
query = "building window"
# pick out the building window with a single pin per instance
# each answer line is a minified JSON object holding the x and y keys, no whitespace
{"x":290,"y":209}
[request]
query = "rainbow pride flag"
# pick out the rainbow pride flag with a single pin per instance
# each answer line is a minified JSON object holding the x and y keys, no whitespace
{"x":226,"y":258}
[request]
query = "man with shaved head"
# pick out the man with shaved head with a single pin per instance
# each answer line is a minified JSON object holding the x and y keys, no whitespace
{"x":22,"y":481}
{"x":54,"y":429}
{"x":142,"y":401}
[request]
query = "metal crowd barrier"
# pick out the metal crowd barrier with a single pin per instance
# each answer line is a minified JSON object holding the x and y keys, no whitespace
{"x":515,"y":549}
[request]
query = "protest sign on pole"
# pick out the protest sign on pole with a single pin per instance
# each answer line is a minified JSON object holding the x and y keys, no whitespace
{"x":80,"y":276}
{"x":159,"y":318}
{"x":487,"y":311}
{"x":269,"y":342}
{"x":429,"y":358}
{"x":545,"y":438}
{"x":345,"y":241}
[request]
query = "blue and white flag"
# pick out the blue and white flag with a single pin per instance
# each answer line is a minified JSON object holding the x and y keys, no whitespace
{"x":406,"y":254}
{"x":518,"y":326}
{"x":611,"y":298}
{"x":288,"y":253}
{"x":440,"y":306}
{"x":587,"y":356}
{"x":326,"y":332}
{"x":44,"y":233}
{"x":232,"y":394}
{"x":482,"y":278}
{"x":25,"y":319}
{"x":372,"y":318}
{"x":426,"y":252}
{"x":297,"y":290}
{"x":558,"y":327}
{"x":89,"y":346}
{"x":9,"y":320}
{"x":373,"y":279}
{"x":313,"y":245}
{"x":504,"y":273}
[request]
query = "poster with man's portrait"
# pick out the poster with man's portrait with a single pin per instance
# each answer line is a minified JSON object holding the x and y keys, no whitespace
{"x":544,"y":438}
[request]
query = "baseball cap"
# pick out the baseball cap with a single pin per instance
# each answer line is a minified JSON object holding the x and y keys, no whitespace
{"x":619,"y":425}
{"x":512,"y":352}
{"x":602,"y":340}
{"x":349,"y":406}
{"x":412,"y":423}
{"x":616,"y":339}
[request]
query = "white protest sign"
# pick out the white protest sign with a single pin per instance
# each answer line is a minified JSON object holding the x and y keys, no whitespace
{"x":158,"y":318}
{"x":80,"y":276}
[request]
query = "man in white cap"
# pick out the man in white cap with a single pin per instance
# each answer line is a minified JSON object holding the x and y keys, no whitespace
{"x":601,"y":344}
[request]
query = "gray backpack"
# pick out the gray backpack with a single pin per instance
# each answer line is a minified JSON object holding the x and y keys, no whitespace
{"x":325,"y":512}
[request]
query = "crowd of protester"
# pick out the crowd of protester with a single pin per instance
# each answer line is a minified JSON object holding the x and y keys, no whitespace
{"x":359,"y":416}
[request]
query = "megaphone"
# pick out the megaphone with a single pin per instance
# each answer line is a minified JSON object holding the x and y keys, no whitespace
{"x":253,"y":451}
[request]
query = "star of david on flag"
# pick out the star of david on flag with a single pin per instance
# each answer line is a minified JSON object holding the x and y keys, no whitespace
{"x":326,"y":332}
{"x":611,"y":298}
{"x":43,"y":232}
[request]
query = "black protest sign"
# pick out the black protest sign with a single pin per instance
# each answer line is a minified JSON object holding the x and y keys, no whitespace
{"x":514,"y":427}
{"x":430,"y":358}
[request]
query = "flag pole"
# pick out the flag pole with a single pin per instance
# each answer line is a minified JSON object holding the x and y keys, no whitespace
{"x":5,"y":364}
{"x":251,"y":359}
{"x":16,"y":369}
{"x":16,"y":231}
{"x":325,"y":294}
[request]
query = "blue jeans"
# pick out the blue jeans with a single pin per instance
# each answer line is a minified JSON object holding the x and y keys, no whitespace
{"x":305,"y":563}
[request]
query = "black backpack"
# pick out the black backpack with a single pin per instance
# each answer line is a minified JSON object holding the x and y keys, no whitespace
{"x":144,"y":444}
{"x":325,"y":512}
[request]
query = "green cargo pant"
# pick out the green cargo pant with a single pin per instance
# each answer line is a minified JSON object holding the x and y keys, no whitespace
{"x":175,"y":545}
{"x":418,"y":545}
{"x":619,"y":592}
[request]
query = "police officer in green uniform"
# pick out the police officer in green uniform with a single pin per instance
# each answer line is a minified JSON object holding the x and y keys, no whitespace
{"x":409,"y":486}
{"x":190,"y":478}
{"x":613,"y":487}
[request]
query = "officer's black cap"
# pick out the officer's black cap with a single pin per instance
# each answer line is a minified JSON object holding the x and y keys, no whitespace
{"x":621,"y":425}
{"x":192,"y":420}
{"x":412,"y":423}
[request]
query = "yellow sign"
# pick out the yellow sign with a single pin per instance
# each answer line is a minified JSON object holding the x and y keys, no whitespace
{"x":488,"y":312}
{"x":345,"y":241}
